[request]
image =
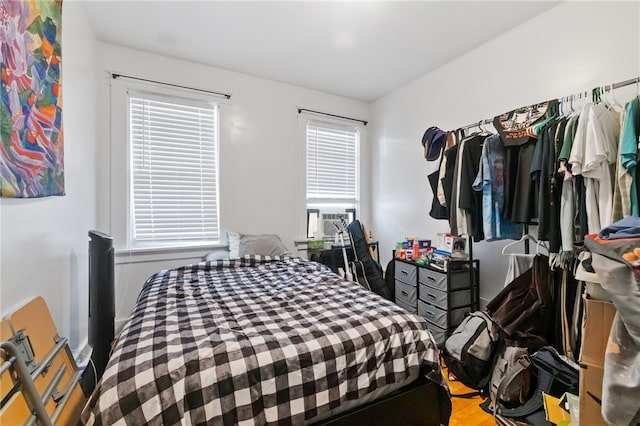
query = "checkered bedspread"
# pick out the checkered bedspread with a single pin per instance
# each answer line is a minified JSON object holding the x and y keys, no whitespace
{"x":255,"y":341}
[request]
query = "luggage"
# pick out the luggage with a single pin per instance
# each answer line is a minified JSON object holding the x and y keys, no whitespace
{"x":469,"y":350}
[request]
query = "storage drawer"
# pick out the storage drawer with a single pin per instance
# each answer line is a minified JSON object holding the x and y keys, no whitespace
{"x":439,"y":298}
{"x":439,"y":334}
{"x":406,"y":293}
{"x":407,"y":307}
{"x":406,"y":272}
{"x":438,"y":316}
{"x":438,"y":280}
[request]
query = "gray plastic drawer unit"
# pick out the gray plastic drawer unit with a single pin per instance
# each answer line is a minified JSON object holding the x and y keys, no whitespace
{"x":438,"y":280}
{"x":406,"y":293}
{"x":406,"y":272}
{"x":411,"y":309}
{"x":445,"y":300}
{"x":438,"y":316}
{"x":439,"y":334}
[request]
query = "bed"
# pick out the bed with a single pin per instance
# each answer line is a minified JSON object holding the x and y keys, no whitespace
{"x":266,"y":340}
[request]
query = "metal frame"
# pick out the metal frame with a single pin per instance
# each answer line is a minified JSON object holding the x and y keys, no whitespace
{"x":26,"y":376}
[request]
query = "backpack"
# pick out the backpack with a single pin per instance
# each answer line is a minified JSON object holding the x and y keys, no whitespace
{"x":511,"y":376}
{"x":550,"y":374}
{"x":469,"y":350}
{"x":523,"y":310}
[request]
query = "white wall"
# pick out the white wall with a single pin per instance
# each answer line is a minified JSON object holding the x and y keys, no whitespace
{"x":44,"y":240}
{"x":572,"y":47}
{"x":259,"y":155}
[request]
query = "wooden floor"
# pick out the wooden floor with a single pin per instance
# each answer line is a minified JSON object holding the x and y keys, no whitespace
{"x":466,"y":411}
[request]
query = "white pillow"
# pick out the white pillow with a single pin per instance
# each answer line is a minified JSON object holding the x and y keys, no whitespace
{"x":241,"y":245}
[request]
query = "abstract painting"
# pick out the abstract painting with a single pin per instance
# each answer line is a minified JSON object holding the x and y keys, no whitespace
{"x":31,"y":152}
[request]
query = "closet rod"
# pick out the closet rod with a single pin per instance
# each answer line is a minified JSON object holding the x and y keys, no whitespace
{"x":622,"y":84}
{"x":607,"y":88}
{"x":332,"y":115}
{"x":226,"y":95}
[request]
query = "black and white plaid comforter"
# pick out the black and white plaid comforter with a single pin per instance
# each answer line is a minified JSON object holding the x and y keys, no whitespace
{"x":255,"y":341}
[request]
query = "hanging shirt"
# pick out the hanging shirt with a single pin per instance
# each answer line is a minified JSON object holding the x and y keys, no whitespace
{"x":629,"y":140}
{"x":490,"y":180}
{"x":567,"y":200}
{"x":592,"y":156}
{"x":621,"y":184}
{"x":520,"y":200}
{"x":471,"y":200}
{"x":437,"y":210}
{"x":541,"y":175}
{"x":461,"y":215}
{"x":452,"y":139}
{"x":448,"y":181}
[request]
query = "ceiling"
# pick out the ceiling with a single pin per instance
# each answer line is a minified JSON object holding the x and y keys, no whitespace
{"x":360,"y":49}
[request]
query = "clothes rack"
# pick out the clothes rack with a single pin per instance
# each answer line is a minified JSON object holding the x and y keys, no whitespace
{"x":596,"y":91}
{"x":605,"y":88}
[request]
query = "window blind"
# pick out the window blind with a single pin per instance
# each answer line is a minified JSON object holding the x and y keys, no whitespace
{"x":332,"y":166}
{"x":174,"y":171}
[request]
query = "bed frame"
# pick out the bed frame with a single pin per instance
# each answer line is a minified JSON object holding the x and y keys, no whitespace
{"x":418,"y":403}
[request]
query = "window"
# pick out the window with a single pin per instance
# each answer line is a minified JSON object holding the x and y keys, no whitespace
{"x":332,"y":174}
{"x":173,"y":170}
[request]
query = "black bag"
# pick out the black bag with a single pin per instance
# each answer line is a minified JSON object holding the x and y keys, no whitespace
{"x":553,"y":376}
{"x":523,"y":309}
{"x":469,"y":351}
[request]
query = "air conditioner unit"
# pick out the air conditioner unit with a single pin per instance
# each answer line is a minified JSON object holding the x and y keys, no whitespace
{"x":327,"y":221}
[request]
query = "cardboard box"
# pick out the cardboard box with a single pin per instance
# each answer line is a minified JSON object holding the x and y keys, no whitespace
{"x":449,"y":244}
{"x":596,"y":325}
{"x":591,"y":395}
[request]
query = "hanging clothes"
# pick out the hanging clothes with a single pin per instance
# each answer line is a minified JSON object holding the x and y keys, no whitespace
{"x":629,"y":139}
{"x":448,"y":182}
{"x":568,"y":197}
{"x":517,"y":131}
{"x":517,"y":265}
{"x":437,"y":211}
{"x":592,"y":155}
{"x":434,"y":141}
{"x":490,"y":181}
{"x":541,"y":176}
{"x":555,"y":187}
{"x":460,"y":225}
{"x":452,"y":139}
{"x":469,"y":199}
{"x":520,"y":190}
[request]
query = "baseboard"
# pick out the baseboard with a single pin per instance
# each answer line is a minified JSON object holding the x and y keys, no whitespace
{"x":483,"y":303}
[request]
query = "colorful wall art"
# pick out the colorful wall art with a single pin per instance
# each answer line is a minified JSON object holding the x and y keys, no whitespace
{"x":31,"y":152}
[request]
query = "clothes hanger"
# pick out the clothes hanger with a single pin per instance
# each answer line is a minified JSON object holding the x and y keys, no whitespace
{"x":541,"y":244}
{"x":485,"y":130}
{"x":524,"y":238}
{"x":615,"y":101}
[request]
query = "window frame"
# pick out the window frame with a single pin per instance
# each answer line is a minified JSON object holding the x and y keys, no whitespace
{"x":334,"y":205}
{"x":121,"y":192}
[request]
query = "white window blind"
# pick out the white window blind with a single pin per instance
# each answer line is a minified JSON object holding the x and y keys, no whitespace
{"x":332,"y":163}
{"x":174,"y":195}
